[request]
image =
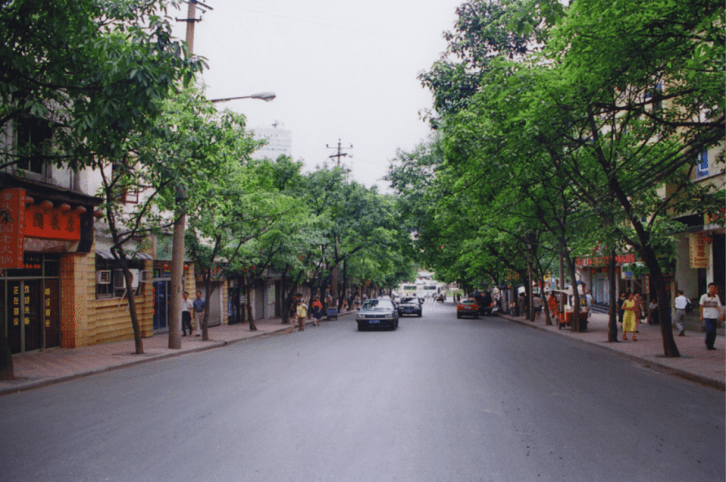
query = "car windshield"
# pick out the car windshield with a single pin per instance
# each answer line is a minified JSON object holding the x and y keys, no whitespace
{"x":377,"y":305}
{"x":467,"y":302}
{"x":408,"y":300}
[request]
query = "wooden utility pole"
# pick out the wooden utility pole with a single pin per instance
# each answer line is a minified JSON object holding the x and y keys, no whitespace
{"x":340,"y":151}
{"x":177,"y":250}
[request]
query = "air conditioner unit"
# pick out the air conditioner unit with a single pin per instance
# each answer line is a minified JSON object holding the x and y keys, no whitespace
{"x":135,"y":278}
{"x":147,"y":276}
{"x":103,"y":277}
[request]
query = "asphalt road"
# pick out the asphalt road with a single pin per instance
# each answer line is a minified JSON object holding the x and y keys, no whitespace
{"x":439,"y":399}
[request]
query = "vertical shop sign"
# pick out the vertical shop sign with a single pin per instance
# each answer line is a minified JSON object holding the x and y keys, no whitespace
{"x":699,"y":250}
{"x":12,"y":224}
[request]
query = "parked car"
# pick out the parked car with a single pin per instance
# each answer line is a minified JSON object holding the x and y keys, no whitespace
{"x":467,"y":307}
{"x":376,"y":313}
{"x":410,"y":305}
{"x":485,"y":303}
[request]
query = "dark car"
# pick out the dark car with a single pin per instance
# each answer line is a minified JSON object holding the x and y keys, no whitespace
{"x":410,"y":306}
{"x":467,"y":307}
{"x":441,"y":297}
{"x":485,"y":303}
{"x":376,"y":313}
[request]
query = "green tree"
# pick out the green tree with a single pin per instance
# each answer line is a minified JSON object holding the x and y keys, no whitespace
{"x":94,"y":75}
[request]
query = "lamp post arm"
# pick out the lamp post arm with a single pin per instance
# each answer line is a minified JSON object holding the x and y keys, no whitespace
{"x":266,"y":96}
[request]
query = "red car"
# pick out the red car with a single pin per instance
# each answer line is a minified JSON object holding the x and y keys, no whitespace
{"x":467,"y":307}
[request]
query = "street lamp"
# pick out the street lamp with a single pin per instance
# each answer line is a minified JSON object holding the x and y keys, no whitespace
{"x":266,"y":96}
{"x":177,"y":251}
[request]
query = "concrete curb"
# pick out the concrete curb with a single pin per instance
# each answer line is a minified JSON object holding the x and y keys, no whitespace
{"x":21,"y":385}
{"x":646,"y":362}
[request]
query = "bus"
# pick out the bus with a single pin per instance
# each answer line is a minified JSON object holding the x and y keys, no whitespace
{"x":407,"y":289}
{"x":427,"y":288}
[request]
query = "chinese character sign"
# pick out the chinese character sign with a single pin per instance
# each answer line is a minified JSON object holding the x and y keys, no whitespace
{"x":52,"y":223}
{"x":12,"y":203}
{"x":699,"y":250}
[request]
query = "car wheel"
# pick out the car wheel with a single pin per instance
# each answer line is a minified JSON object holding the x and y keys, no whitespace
{"x":360,"y":327}
{"x":420,"y":314}
{"x":458,"y":315}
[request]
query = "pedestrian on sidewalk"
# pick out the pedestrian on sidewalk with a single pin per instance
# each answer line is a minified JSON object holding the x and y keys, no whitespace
{"x":588,"y":301}
{"x":554,"y":306}
{"x":317,"y":311}
{"x":630,"y":323}
{"x":199,"y":305}
{"x":302,"y":313}
{"x":187,"y":307}
{"x":711,"y":313}
{"x":680,"y":304}
{"x":537,"y":304}
{"x":621,"y":312}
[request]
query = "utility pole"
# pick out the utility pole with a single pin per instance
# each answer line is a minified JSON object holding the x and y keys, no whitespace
{"x":177,"y":250}
{"x":334,"y":273}
{"x":340,"y":151}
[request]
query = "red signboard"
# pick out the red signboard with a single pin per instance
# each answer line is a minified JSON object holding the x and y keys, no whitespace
{"x":604,"y":260}
{"x":12,"y":222}
{"x":52,"y":223}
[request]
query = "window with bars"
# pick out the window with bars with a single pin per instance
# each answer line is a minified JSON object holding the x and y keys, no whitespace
{"x":33,"y":143}
{"x":702,"y":165}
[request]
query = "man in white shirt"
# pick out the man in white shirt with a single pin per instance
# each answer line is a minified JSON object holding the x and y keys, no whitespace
{"x":588,"y":300}
{"x":680,"y":304}
{"x":710,"y":314}
{"x":187,"y":307}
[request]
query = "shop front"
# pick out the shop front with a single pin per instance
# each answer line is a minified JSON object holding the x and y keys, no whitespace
{"x":40,"y":229}
{"x":30,"y":298}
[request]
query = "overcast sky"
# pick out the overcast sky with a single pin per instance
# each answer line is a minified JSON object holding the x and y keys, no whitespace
{"x":341,"y":69}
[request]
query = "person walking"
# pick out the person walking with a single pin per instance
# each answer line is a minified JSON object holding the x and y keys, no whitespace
{"x":680,"y":304}
{"x":187,"y":307}
{"x":537,"y":304}
{"x":711,"y":313}
{"x":302,"y":313}
{"x":621,"y":312}
{"x":630,"y":323}
{"x":588,"y":301}
{"x":317,"y":311}
{"x":554,"y":306}
{"x":199,"y":305}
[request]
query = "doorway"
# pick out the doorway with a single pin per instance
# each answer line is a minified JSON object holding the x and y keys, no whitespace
{"x":32,"y":314}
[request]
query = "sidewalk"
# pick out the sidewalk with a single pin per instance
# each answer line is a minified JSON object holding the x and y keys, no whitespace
{"x":58,"y":364}
{"x":695,"y":363}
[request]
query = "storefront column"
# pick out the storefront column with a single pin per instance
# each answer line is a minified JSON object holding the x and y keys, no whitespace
{"x":77,"y":273}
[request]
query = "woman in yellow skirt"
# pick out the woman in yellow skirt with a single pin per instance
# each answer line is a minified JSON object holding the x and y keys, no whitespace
{"x":629,"y":324}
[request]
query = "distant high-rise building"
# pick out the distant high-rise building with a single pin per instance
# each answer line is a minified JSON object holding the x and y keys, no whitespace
{"x":279,"y":141}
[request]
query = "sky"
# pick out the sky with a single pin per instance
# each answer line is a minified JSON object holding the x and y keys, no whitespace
{"x":341,"y":69}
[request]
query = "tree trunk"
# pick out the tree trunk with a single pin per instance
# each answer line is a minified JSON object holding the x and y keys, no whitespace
{"x":138,"y":342}
{"x":575,"y":294}
{"x":613,"y":321}
{"x":208,"y":291}
{"x":670,"y":349}
{"x":7,"y":371}
{"x":248,"y":297}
